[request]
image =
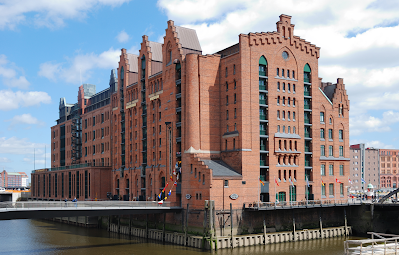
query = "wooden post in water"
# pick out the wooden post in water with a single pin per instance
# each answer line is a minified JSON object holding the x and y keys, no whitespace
{"x":346,"y":223}
{"x":119,"y":224}
{"x":146,"y":226}
{"x":130,"y":225}
{"x":210,"y":223}
{"x":293,"y":223}
{"x":231,"y":225}
{"x":321,"y":228}
{"x":186,"y":229}
{"x":163,"y":228}
{"x":264,"y":230}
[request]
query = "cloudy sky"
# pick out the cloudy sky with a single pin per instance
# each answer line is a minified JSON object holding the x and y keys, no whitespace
{"x":48,"y":48}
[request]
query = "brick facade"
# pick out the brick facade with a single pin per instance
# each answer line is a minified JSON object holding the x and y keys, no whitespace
{"x":211,"y":126}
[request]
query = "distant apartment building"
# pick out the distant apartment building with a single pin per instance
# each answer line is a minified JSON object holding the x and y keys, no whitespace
{"x":364,"y":165}
{"x":13,"y":180}
{"x":389,"y":176}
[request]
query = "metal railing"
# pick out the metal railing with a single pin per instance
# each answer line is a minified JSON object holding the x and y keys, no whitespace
{"x":40,"y":205}
{"x":302,"y":204}
{"x":382,"y":244}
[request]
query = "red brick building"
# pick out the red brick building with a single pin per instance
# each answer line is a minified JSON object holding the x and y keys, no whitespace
{"x":213,"y":126}
{"x":389,"y":170}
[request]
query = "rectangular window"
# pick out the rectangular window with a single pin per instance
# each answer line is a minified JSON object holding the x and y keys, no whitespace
{"x":323,"y":190}
{"x":341,"y":134}
{"x":102,"y":148}
{"x":341,"y":151}
{"x":85,"y":123}
{"x":322,"y":150}
{"x":341,"y":170}
{"x":235,"y":113}
{"x":102,"y":117}
{"x":226,"y":183}
{"x":331,"y":189}
{"x":94,"y":121}
{"x":102,"y":133}
{"x":341,"y":189}
{"x":331,"y":170}
{"x":227,"y":114}
{"x":322,"y":133}
{"x":94,"y":135}
{"x":322,"y":117}
{"x":94,"y":150}
{"x":323,"y":170}
{"x":330,"y":150}
{"x":85,"y":151}
{"x":330,"y":134}
{"x":85,"y":137}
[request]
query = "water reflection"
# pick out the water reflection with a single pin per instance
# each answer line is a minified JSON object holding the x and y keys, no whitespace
{"x":42,"y":237}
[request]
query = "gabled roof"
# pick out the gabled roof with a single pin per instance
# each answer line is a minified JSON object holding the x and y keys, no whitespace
{"x":188,"y":38}
{"x":133,"y":62}
{"x":156,"y":49}
{"x":220,"y":168}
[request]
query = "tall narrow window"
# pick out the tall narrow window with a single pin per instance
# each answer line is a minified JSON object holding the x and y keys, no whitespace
{"x":262,"y":66}
{"x":234,"y":69}
{"x":322,"y":117}
{"x":306,"y":74}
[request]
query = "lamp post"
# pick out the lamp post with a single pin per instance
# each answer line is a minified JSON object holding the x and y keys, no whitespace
{"x":168,"y":125}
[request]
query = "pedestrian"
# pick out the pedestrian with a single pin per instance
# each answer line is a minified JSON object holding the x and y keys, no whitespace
{"x":66,"y":200}
{"x":76,"y":202}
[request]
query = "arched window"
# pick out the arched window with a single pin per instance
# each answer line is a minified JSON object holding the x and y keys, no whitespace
{"x":306,"y":74}
{"x":262,"y":66}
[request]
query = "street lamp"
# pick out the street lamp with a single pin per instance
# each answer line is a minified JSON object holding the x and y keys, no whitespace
{"x":169,"y":155}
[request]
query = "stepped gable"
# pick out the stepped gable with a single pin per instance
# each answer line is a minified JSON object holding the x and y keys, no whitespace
{"x":336,"y":92}
{"x":285,"y":31}
{"x":220,"y":168}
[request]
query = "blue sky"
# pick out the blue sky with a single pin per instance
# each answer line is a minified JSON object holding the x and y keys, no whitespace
{"x":48,"y":47}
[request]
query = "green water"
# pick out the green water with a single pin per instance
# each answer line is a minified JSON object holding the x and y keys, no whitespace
{"x":43,"y":237}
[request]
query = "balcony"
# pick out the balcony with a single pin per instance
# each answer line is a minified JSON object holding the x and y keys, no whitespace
{"x":178,"y":81}
{"x":306,"y":93}
{"x":263,"y":87}
{"x":178,"y":139}
{"x":306,"y":80}
{"x":264,"y":148}
{"x":263,"y":117}
{"x":307,"y":121}
{"x":263,"y":162}
{"x":178,"y":109}
{"x":262,"y":73}
{"x":178,"y":95}
{"x":262,"y":132}
{"x":306,"y":106}
{"x":308,"y":163}
{"x":263,"y":101}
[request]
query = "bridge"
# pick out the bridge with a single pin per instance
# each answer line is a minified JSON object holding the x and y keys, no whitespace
{"x":51,"y":209}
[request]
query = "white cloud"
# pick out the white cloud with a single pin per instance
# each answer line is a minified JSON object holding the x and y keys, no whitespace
{"x":372,"y":144}
{"x":21,"y":146}
{"x":13,"y":100}
{"x":24,"y":119}
{"x":122,"y":37}
{"x":48,"y":13}
{"x":366,"y":123}
{"x":8,"y":72}
{"x":4,"y":160}
{"x":80,"y":66}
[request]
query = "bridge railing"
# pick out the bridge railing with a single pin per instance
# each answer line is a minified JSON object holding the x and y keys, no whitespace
{"x":81,"y":204}
{"x":301,"y":204}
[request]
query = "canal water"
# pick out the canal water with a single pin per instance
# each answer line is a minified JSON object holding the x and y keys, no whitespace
{"x":44,"y":237}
